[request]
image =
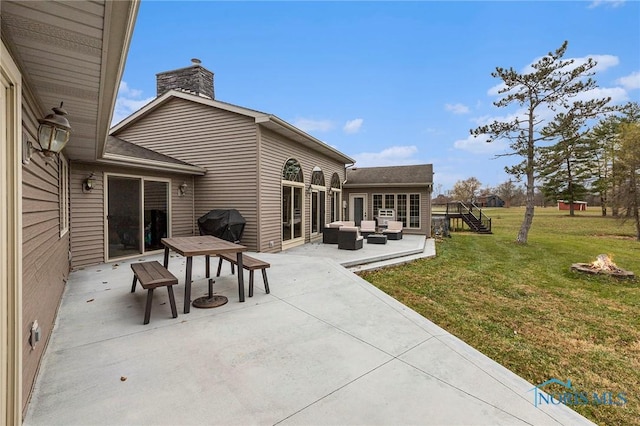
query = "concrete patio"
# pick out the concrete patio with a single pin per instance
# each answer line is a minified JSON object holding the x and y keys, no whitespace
{"x":324,"y":347}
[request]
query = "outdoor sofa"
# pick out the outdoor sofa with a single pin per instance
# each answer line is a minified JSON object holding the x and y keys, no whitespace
{"x":330,"y":231}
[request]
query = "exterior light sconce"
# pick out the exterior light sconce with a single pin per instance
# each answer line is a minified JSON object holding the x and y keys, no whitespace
{"x":182,"y":189}
{"x":88,"y":183}
{"x":309,"y":189}
{"x":53,"y":135}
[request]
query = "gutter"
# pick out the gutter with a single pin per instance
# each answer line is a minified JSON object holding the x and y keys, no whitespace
{"x":386,"y":185}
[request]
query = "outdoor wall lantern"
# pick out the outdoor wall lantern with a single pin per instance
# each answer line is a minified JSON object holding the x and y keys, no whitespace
{"x":53,"y":135}
{"x":182,"y":189}
{"x":88,"y":183}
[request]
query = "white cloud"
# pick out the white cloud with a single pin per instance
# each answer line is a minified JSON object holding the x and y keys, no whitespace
{"x":353,"y":126}
{"x":495,"y":90}
{"x":631,"y":81}
{"x":479,"y":145}
{"x":310,"y":125}
{"x":128,"y":102}
{"x":617,"y":94}
{"x":612,"y":3}
{"x":125,"y":90}
{"x":488,"y":119}
{"x":457,"y":108}
{"x":392,"y":156}
{"x":603,"y":62}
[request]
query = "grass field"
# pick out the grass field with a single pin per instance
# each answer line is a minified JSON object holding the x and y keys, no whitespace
{"x":522,"y":305}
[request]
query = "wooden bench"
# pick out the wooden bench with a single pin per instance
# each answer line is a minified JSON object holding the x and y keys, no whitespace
{"x":249,"y":263}
{"x":151,"y":276}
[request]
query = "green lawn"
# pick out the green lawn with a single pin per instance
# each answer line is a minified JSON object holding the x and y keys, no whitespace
{"x":523,"y":306}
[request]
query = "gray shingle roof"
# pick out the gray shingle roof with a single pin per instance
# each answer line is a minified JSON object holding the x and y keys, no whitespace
{"x":119,"y":146}
{"x":421,"y":174}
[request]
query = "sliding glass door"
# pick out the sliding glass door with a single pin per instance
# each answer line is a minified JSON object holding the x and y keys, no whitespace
{"x":137,"y":215}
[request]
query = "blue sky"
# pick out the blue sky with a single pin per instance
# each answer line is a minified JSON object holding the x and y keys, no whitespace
{"x":387,"y":83}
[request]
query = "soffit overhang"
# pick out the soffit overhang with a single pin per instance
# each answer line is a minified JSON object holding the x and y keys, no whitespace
{"x":72,"y":52}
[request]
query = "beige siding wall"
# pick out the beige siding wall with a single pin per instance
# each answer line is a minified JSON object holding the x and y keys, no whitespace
{"x":45,"y":253}
{"x":425,"y":204}
{"x":275,"y":150}
{"x":88,"y":209}
{"x":224,"y":143}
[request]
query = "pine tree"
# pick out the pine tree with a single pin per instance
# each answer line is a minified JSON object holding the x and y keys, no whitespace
{"x":567,"y":166}
{"x":550,"y":88}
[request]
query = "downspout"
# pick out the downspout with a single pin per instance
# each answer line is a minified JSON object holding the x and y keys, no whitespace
{"x":344,"y":206}
{"x":259,"y":235}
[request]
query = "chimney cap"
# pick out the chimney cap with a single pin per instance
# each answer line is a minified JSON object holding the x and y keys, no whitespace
{"x":196,"y":61}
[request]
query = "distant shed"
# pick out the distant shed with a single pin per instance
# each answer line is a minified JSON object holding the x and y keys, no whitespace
{"x":577,"y":205}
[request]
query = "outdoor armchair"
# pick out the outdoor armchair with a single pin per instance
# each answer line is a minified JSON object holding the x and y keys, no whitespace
{"x":349,"y":238}
{"x":367,"y":227}
{"x":394,"y":230}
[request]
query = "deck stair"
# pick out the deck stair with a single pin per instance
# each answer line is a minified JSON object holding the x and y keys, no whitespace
{"x":469,"y":213}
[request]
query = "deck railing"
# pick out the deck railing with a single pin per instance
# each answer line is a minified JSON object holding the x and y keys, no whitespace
{"x":459,"y":209}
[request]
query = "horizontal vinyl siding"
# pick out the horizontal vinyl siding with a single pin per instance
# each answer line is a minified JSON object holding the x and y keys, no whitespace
{"x":275,"y":150}
{"x":88,"y":210}
{"x":87,"y":217}
{"x":182,"y":219}
{"x":425,"y":204}
{"x":45,"y":262}
{"x":223,"y":143}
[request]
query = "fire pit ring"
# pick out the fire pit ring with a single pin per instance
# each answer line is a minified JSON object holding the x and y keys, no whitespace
{"x":603,"y":265}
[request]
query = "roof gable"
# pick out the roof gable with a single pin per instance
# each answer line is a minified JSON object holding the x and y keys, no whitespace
{"x":266,"y":120}
{"x":120,"y":151}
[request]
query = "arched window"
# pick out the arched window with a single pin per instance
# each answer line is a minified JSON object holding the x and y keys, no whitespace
{"x":336,"y":195}
{"x":292,"y":202}
{"x":317,"y":177}
{"x":292,"y":171}
{"x":335,"y":181}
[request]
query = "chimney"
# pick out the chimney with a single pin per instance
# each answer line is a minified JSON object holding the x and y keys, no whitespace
{"x":194,"y":79}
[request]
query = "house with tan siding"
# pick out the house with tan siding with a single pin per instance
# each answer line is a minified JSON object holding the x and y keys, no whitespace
{"x":114,"y":194}
{"x":51,"y":52}
{"x":286,"y":183}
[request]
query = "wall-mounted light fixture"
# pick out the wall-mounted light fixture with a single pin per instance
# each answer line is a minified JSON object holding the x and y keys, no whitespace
{"x":182,"y":189}
{"x":53,"y":135}
{"x":88,"y":183}
{"x":309,"y":189}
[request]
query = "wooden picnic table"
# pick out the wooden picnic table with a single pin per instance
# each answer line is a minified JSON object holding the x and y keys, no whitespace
{"x":208,"y":246}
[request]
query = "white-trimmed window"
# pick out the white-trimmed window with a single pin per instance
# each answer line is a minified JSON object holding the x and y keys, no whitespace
{"x":336,"y":195}
{"x":63,"y":193}
{"x":292,"y":202}
{"x":318,"y":193}
{"x":407,"y":207}
{"x":401,"y":212}
{"x":414,"y":211}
